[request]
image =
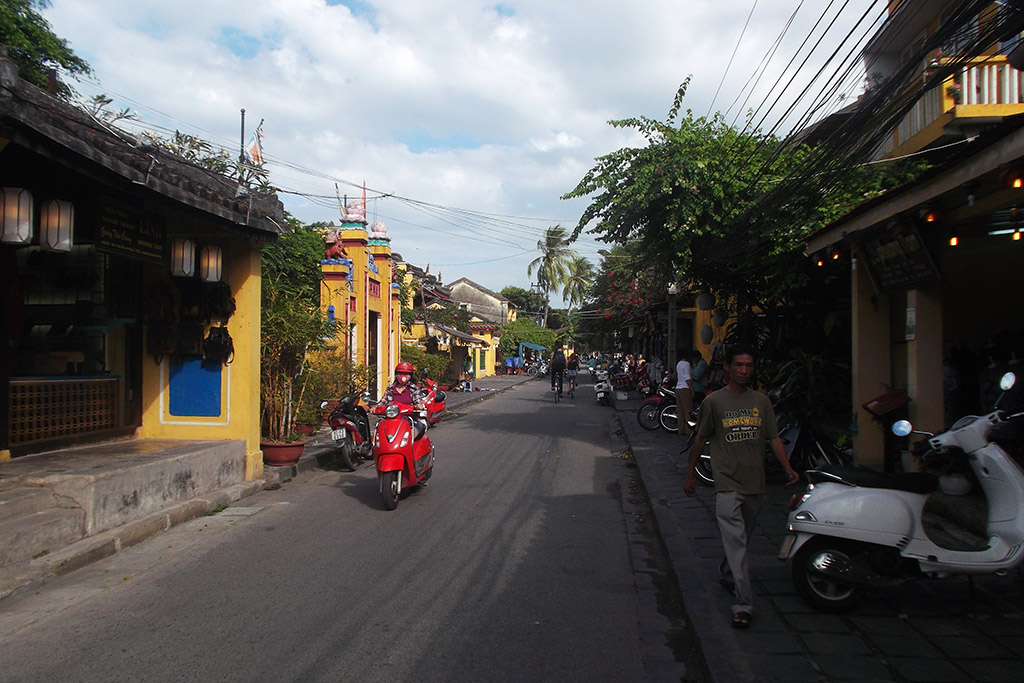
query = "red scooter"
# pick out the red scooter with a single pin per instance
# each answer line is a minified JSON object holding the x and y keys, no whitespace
{"x":403,"y":458}
{"x":434,"y":402}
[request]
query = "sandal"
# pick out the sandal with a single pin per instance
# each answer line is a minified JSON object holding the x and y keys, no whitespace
{"x":741,"y":620}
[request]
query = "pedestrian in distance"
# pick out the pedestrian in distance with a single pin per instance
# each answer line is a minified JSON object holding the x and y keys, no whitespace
{"x":699,"y":368}
{"x":684,"y":393}
{"x":737,"y":419}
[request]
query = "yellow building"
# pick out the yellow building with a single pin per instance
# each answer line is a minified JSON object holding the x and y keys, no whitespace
{"x":117,"y":261}
{"x":360,"y":292}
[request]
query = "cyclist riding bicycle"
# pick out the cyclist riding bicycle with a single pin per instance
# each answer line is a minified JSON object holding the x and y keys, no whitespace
{"x":572,"y":369}
{"x":557,"y":368}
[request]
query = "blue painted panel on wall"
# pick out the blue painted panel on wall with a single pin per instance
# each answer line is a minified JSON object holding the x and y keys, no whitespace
{"x":195,"y":388}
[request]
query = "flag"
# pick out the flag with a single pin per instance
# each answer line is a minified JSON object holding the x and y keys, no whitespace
{"x":254,"y":151}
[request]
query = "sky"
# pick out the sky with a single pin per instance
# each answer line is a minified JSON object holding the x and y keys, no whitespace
{"x":465,"y":120}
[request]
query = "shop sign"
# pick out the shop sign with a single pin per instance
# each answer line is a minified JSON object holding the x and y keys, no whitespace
{"x":126,"y":232}
{"x":897,"y":258}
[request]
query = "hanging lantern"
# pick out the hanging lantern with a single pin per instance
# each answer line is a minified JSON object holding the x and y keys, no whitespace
{"x":56,"y":225}
{"x":183,"y":257}
{"x":706,"y":301}
{"x":16,"y":217}
{"x":210,"y":264}
{"x":706,"y":334}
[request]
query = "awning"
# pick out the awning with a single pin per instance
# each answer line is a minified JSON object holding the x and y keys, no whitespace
{"x":469,"y":339}
{"x":528,"y":345}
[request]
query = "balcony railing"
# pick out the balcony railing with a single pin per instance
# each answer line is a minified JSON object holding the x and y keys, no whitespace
{"x":985,"y":81}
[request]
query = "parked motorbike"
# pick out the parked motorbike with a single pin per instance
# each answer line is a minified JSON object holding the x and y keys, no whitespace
{"x":856,"y":529}
{"x":434,"y":402}
{"x":350,"y":430}
{"x":538,"y":368}
{"x":603,"y":392}
{"x":402,"y":452}
{"x":648,"y":413}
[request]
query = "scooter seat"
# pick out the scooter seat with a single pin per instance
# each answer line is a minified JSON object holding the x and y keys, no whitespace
{"x":913,"y":482}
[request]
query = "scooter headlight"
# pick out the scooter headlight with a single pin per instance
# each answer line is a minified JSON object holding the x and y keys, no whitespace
{"x":391,"y":411}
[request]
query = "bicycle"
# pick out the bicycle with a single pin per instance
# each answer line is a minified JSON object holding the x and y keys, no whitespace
{"x":557,"y":390}
{"x":571,"y":376}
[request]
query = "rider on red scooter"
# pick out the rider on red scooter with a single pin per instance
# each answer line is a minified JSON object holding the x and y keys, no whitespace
{"x":404,"y":390}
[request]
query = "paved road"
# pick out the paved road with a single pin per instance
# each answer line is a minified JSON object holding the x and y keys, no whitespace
{"x":529,"y":557}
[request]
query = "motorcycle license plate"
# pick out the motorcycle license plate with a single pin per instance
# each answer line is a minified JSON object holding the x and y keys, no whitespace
{"x":787,"y":545}
{"x":339,"y":434}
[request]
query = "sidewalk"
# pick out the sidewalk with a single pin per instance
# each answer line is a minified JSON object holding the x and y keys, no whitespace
{"x":920,"y":631}
{"x":63,"y":510}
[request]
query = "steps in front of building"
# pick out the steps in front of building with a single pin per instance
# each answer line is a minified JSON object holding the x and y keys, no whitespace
{"x":30,"y":535}
{"x":52,"y":500}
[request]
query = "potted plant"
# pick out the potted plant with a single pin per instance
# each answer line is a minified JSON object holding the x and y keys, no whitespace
{"x":292,"y":324}
{"x":955,"y":92}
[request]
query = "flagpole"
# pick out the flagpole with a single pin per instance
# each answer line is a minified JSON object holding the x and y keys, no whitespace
{"x":241,"y":140}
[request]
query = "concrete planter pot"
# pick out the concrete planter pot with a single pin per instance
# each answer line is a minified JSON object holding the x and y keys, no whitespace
{"x":281,"y":454}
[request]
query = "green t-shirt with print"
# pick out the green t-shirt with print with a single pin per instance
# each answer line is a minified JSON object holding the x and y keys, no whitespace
{"x":737,"y":426}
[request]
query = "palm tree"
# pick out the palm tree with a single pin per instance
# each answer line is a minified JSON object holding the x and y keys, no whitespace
{"x":552,"y":265}
{"x":577,"y":282}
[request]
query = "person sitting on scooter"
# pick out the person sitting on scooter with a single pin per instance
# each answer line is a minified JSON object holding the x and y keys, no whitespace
{"x":405,"y":391}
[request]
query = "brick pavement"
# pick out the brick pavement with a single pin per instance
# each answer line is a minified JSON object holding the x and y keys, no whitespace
{"x":920,"y":631}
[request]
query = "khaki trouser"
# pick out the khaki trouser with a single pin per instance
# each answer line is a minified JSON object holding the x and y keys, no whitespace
{"x":684,"y":404}
{"x":736,"y":514}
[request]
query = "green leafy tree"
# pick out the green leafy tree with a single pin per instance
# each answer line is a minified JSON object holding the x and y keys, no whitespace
{"x":552,"y":266}
{"x":34,"y":47}
{"x":579,"y":276}
{"x":292,"y":324}
{"x":433,"y":365}
{"x":524,"y":330}
{"x":690,"y":200}
{"x":526,"y":301}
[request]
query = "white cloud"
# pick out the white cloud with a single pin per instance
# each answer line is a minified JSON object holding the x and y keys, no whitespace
{"x":491,"y":108}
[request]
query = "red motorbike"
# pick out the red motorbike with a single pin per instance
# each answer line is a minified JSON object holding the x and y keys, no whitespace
{"x":402,"y":451}
{"x":434,"y":402}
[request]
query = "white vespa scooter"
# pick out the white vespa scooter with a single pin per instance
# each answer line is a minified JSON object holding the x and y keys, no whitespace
{"x":857,"y":529}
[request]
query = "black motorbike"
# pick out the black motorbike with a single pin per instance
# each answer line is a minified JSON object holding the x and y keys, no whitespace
{"x":350,"y":431}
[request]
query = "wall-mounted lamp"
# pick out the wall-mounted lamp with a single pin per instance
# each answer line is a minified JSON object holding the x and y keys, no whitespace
{"x":1014,"y":178}
{"x":210,"y":264}
{"x":183,"y":257}
{"x":16,"y":215}
{"x":930,"y":214}
{"x":56,"y":225}
{"x":954,"y":240}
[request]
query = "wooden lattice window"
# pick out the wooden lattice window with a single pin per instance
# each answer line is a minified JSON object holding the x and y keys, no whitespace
{"x":47,"y":408}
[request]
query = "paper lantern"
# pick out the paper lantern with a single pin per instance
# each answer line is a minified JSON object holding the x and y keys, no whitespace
{"x":183,"y":257}
{"x":210,"y":264}
{"x":56,"y":225}
{"x":16,"y":216}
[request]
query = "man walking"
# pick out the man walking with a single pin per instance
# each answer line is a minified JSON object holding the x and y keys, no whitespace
{"x":737,"y":420}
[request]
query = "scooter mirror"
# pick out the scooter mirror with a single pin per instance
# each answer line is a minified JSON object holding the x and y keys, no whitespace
{"x":1007,"y":382}
{"x":323,"y":405}
{"x":902,"y":428}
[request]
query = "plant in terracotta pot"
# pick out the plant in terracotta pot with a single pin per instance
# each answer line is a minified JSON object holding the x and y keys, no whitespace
{"x":292,"y":324}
